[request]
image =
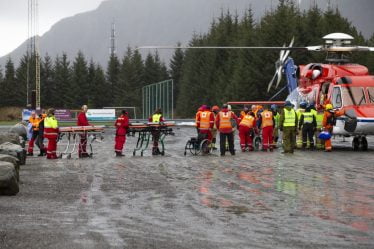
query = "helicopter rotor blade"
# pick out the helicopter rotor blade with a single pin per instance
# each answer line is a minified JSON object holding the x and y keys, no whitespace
{"x":272,"y":80}
{"x":279,"y":74}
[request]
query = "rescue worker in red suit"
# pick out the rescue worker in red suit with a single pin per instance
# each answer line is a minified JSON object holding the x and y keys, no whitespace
{"x":200,"y":110}
{"x":51,"y":133}
{"x":121,"y":124}
{"x":82,"y":121}
{"x":205,"y":123}
{"x":34,"y":121}
{"x":224,"y":121}
{"x":247,"y":125}
{"x":156,"y":118}
{"x":266,"y":123}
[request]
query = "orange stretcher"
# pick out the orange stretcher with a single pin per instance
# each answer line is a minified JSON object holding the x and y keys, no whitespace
{"x":145,"y":130}
{"x":74,"y":134}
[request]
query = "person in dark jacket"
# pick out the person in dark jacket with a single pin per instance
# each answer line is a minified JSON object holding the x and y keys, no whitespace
{"x":307,"y":125}
{"x":40,"y":139}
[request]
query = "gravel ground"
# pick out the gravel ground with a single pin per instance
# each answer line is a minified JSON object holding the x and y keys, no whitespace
{"x":251,"y":200}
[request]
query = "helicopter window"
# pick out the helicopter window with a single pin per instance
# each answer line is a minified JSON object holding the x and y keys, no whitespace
{"x":371,"y":94}
{"x":353,"y":96}
{"x":336,"y":97}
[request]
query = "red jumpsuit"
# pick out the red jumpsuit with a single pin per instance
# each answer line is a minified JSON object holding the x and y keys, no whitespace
{"x":266,"y":122}
{"x":82,"y":121}
{"x":121,"y":124}
{"x":246,"y":124}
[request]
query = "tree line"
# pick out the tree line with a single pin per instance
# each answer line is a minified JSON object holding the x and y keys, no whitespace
{"x":200,"y":76}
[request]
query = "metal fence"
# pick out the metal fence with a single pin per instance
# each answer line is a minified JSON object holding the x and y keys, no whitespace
{"x":158,"y":95}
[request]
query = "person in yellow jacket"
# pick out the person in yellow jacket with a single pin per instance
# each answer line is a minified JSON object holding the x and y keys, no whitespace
{"x":34,"y":121}
{"x":51,"y":133}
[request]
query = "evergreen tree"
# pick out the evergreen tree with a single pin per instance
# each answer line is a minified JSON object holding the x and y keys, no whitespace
{"x":9,"y":90}
{"x":21,"y":83}
{"x":176,"y":65}
{"x":91,"y":91}
{"x":65,"y":94}
{"x":125,"y":92}
{"x":80,"y":83}
{"x":112,"y":76}
{"x":100,"y":86}
{"x":47,"y":85}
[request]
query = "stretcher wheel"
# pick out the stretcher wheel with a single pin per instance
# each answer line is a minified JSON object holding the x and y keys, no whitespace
{"x":141,"y":153}
{"x":133,"y":153}
{"x":185,"y":153}
{"x":68,"y":156}
{"x":257,"y":143}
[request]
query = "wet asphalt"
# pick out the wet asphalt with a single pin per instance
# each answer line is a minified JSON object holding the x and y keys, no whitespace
{"x":251,"y":200}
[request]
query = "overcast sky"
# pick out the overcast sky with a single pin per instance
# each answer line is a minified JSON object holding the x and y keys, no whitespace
{"x":13,"y":18}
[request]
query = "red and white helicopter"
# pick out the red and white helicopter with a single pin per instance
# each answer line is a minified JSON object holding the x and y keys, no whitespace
{"x":345,"y":85}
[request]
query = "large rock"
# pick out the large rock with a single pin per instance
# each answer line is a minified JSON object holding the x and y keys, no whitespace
{"x":19,"y":130}
{"x":13,"y":160}
{"x":14,"y":150}
{"x":8,"y":179}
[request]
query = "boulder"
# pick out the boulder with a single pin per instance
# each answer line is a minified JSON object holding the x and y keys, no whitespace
{"x":10,"y":137}
{"x":13,"y":150}
{"x":8,"y":179}
{"x":20,"y":129}
{"x":13,"y":160}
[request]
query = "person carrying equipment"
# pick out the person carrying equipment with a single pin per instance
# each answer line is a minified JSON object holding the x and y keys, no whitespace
{"x":121,"y":124}
{"x":51,"y":133}
{"x":156,"y":118}
{"x":308,"y":125}
{"x":266,"y":123}
{"x":288,"y":125}
{"x":247,"y":124}
{"x":34,"y":121}
{"x":328,"y":122}
{"x":224,"y":125}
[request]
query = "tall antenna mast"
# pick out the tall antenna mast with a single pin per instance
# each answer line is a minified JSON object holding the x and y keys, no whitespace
{"x":112,"y":50}
{"x":33,"y":51}
{"x":37,"y":58}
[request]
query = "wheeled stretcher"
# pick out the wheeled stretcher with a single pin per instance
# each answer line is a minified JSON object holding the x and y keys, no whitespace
{"x":73,"y":135}
{"x":146,"y":130}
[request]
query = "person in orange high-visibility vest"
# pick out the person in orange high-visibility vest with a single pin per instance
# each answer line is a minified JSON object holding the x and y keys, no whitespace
{"x":328,"y":122}
{"x":205,"y":123}
{"x":266,"y":123}
{"x":247,"y":123}
{"x":34,"y":121}
{"x":224,"y":121}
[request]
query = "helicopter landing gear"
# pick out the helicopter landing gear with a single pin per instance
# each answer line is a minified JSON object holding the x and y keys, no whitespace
{"x":360,"y":143}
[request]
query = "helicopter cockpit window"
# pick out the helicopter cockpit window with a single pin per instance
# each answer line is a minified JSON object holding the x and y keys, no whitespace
{"x":336,"y":98}
{"x":353,"y":96}
{"x":371,"y":94}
